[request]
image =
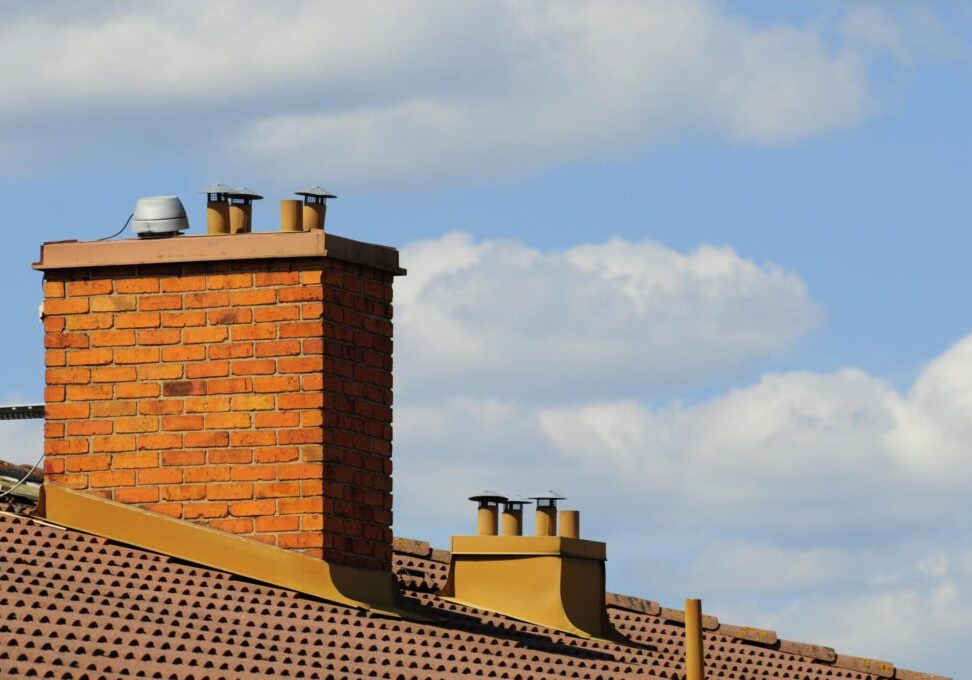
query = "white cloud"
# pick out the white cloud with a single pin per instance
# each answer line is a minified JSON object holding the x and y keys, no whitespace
{"x":801,"y":452}
{"x":828,"y":506}
{"x":502,"y":319}
{"x":918,"y":621}
{"x":384,"y":92}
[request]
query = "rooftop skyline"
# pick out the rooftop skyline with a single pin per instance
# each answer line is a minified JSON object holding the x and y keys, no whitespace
{"x":704,"y":272}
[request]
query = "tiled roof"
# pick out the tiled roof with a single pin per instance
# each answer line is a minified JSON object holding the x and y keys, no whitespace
{"x":78,"y":606}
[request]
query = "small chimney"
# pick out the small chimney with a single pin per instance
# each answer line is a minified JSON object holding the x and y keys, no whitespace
{"x":315,"y":206}
{"x":553,"y":581}
{"x":241,"y":382}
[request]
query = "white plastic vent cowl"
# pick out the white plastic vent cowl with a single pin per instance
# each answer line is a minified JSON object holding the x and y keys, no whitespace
{"x":159,"y":216}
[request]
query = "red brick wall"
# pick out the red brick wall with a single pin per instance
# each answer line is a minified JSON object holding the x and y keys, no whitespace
{"x":254,"y":397}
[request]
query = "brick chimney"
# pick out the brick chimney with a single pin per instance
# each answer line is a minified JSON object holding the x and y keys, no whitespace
{"x":243,"y":382}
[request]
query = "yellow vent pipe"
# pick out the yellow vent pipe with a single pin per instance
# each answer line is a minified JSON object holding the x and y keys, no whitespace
{"x":513,"y":516}
{"x":694,"y":650}
{"x":217,"y":208}
{"x":491,"y":520}
{"x":487,"y":523}
{"x":315,"y":206}
{"x":570,"y":523}
{"x":290,"y":215}
{"x":241,"y":209}
{"x":229,"y":210}
{"x":546,"y":518}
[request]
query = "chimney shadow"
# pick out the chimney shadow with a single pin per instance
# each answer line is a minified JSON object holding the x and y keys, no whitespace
{"x":455,"y":620}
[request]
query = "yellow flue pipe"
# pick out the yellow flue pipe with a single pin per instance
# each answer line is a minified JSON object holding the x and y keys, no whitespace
{"x":694,"y":651}
{"x":487,"y":519}
{"x":570,"y":523}
{"x":290,"y":215}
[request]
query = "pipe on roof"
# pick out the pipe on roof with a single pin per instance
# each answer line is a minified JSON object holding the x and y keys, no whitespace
{"x":694,"y":650}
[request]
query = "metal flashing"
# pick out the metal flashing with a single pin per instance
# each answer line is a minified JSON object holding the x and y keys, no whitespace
{"x":375,"y":591}
{"x":551,"y":581}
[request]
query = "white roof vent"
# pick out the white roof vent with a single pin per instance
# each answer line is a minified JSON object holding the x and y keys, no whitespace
{"x":159,"y":216}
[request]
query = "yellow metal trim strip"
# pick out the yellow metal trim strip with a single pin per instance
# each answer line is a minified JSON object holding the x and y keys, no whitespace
{"x":529,"y":545}
{"x":375,"y":591}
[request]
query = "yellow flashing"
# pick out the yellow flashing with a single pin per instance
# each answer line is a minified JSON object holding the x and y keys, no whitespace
{"x":551,"y":581}
{"x":376,"y":591}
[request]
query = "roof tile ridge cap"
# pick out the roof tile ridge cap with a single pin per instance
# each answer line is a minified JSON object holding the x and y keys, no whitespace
{"x":905,"y":674}
{"x":419,"y":548}
{"x":411,"y":546}
{"x":709,"y":622}
{"x":440,"y":555}
{"x":632,"y":603}
{"x":863,"y":664}
{"x":762,"y":636}
{"x":817,"y":652}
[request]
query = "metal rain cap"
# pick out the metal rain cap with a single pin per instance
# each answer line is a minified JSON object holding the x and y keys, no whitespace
{"x":488,"y":496}
{"x":518,"y":500}
{"x":218,"y":189}
{"x":317,"y":191}
{"x":244,"y":192}
{"x":548,"y":495}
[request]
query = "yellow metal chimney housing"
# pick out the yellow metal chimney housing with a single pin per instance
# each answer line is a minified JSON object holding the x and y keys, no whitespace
{"x":553,"y":581}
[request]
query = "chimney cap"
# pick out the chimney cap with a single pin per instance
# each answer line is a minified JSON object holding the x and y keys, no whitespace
{"x":488,"y":496}
{"x":218,"y":189}
{"x":316,"y":191}
{"x":244,"y":193}
{"x":547,"y":495}
{"x":518,"y":500}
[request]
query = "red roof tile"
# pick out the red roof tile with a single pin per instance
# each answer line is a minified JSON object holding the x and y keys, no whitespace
{"x":78,"y":606}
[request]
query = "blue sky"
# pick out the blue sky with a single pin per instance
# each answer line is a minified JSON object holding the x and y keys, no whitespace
{"x":650,"y":245}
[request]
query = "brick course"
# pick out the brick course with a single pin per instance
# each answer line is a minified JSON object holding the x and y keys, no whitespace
{"x":254,"y":397}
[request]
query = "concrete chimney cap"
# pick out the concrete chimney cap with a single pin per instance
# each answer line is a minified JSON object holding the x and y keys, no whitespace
{"x":488,"y":496}
{"x":317,"y":191}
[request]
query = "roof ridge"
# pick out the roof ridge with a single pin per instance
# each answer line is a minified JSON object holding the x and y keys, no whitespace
{"x":764,"y":637}
{"x":745,"y":634}
{"x":420,"y":548}
{"x":631,"y":603}
{"x":768,"y":638}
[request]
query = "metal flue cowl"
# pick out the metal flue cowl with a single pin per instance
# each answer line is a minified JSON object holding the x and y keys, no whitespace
{"x":159,"y":216}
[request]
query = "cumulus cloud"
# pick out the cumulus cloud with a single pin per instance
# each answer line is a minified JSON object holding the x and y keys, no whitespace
{"x":917,"y":617}
{"x":827,"y":506}
{"x":388,"y":93}
{"x":499,"y":318}
{"x":819,"y":457}
{"x":804,"y":452}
